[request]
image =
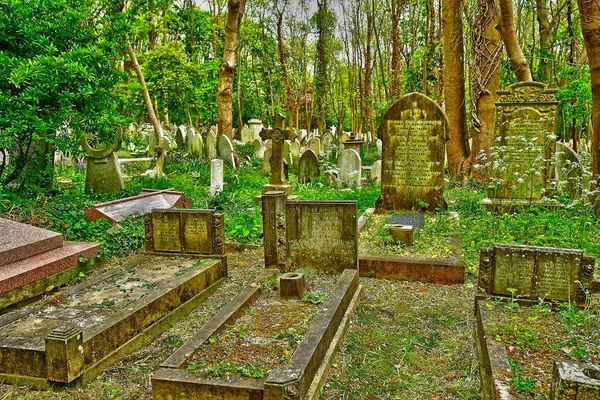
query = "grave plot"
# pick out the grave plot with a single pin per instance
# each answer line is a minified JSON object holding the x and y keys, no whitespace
{"x":75,"y":334}
{"x":411,"y":247}
{"x":531,"y":327}
{"x":261,"y":345}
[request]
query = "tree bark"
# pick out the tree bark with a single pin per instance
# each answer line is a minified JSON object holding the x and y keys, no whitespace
{"x":160,"y":153}
{"x":368,"y":74}
{"x":235,"y":12}
{"x":321,"y":70}
{"x":545,"y":39}
{"x":589,"y":12}
{"x":457,"y":147}
{"x":513,"y":48}
{"x":485,"y":82}
{"x":395,"y":89}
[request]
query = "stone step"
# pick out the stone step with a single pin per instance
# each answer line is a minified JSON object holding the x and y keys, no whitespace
{"x":40,"y":266}
{"x":20,"y":241}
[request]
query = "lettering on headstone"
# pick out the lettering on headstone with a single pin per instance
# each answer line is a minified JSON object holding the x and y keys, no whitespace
{"x":166,"y":228}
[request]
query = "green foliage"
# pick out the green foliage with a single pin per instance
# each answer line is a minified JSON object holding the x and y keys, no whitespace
{"x":315,"y":297}
{"x":575,"y":105}
{"x":291,"y":336}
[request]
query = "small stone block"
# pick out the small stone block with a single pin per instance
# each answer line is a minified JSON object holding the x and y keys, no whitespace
{"x":402,"y":233}
{"x":276,"y":188}
{"x":64,"y":354}
{"x":292,"y":286}
{"x":575,"y":381}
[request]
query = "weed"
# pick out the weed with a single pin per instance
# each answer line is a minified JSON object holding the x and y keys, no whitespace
{"x":292,"y":336}
{"x":315,"y":297}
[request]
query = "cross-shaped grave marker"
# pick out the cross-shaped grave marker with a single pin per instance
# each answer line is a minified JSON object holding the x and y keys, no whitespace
{"x":277,"y":134}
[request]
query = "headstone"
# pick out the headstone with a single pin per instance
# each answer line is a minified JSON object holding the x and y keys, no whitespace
{"x":523,"y":159}
{"x":343,"y":137}
{"x":328,"y":141}
{"x":246,"y":135}
{"x":197,"y":148}
{"x":185,"y":231}
{"x":117,"y":210}
{"x":295,"y":148}
{"x":349,"y":164}
{"x":414,"y":131}
{"x":181,"y":136}
{"x":302,"y":134}
{"x":315,"y":145}
{"x":216,"y":176}
{"x":257,"y":144}
{"x":376,"y":172}
{"x":572,"y":380}
{"x":308,"y":166}
{"x":211,"y":145}
{"x":277,"y":135}
{"x":255,"y":126}
{"x":316,"y":234}
{"x":287,"y":152}
{"x":533,"y":273}
{"x":103,"y":172}
{"x":226,"y":150}
{"x":151,"y":144}
{"x":379,"y":146}
{"x":569,"y":170}
{"x":333,"y":130}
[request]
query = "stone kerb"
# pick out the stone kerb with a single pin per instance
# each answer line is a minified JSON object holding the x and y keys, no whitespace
{"x":414,"y":132}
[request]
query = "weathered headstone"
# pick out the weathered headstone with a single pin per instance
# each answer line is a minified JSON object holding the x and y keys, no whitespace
{"x":379,"y":146}
{"x":295,"y":148}
{"x":255,"y":126}
{"x":181,"y":136}
{"x":197,"y":147}
{"x":211,"y":145}
{"x":328,"y":141}
{"x":316,"y":234}
{"x":185,"y":231}
{"x":226,"y":150}
{"x":315,"y":145}
{"x":308,"y":166}
{"x":414,"y":132}
{"x":343,"y":137}
{"x":376,"y":172}
{"x":103,"y":172}
{"x":216,"y":176}
{"x":246,"y":135}
{"x":572,"y":380}
{"x":523,"y":165}
{"x":277,"y":135}
{"x":266,"y":165}
{"x":534,"y":273}
{"x":349,"y":164}
{"x":287,"y":152}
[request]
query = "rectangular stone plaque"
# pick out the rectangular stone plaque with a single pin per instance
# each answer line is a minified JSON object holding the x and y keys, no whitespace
{"x":534,"y":273}
{"x":323,"y":234}
{"x":185,"y":231}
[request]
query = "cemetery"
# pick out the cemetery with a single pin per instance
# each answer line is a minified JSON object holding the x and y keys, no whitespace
{"x":300,"y":200}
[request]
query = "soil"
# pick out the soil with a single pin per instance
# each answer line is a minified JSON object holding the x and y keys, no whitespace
{"x":536,"y":336}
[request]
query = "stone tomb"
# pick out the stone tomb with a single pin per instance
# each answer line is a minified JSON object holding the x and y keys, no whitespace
{"x":149,"y":199}
{"x":317,"y":234}
{"x":414,"y":132}
{"x":525,"y":143}
{"x":77,"y":333}
{"x":533,"y":273}
{"x":308,"y":166}
{"x":185,"y":231}
{"x":299,"y":378}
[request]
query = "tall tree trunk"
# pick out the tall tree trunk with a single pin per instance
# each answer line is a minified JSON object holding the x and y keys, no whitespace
{"x":589,"y":12}
{"x":321,"y":69}
{"x":545,"y":39}
{"x":368,"y":74}
{"x":513,"y":48}
{"x":396,"y":8}
{"x":454,"y":86}
{"x":235,"y":12}
{"x":160,"y":152}
{"x":485,"y":82}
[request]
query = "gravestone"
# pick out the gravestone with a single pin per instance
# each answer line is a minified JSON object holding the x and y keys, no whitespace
{"x":295,"y":148}
{"x":523,"y":158}
{"x":379,"y":145}
{"x":287,"y":152}
{"x":414,"y":131}
{"x":226,"y":150}
{"x":181,"y":136}
{"x":211,"y":145}
{"x":569,"y":170}
{"x":316,"y":234}
{"x":117,"y":210}
{"x":328,"y":141}
{"x":376,"y":172}
{"x":216,"y":176}
{"x":308,"y":166}
{"x":343,"y":138}
{"x":184,"y":231}
{"x":533,"y":273}
{"x":277,"y":135}
{"x":255,"y":126}
{"x":315,"y":145}
{"x":349,"y":164}
{"x":103,"y":172}
{"x":266,"y":164}
{"x":197,"y":148}
{"x":151,"y":144}
{"x":246,"y":135}
{"x":572,"y":380}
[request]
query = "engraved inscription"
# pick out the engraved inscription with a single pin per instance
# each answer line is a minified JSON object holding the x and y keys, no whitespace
{"x":514,"y":272}
{"x":165,"y":227}
{"x":196,"y":233}
{"x":555,"y":277}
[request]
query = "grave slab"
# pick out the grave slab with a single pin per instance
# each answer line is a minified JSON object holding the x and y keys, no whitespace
{"x":149,"y":199}
{"x":20,"y":241}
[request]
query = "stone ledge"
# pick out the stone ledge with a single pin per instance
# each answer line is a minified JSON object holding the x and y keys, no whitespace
{"x":448,"y":271}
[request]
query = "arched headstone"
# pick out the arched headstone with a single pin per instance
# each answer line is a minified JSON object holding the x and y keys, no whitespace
{"x":308,"y":166}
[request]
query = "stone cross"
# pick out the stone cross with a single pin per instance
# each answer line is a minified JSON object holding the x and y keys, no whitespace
{"x":277,"y":134}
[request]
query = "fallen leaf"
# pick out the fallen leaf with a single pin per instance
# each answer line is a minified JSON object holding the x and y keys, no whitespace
{"x":512,"y":350}
{"x":423,"y":292}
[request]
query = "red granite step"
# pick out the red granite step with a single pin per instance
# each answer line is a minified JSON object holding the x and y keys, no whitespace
{"x":20,"y":241}
{"x":40,"y":266}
